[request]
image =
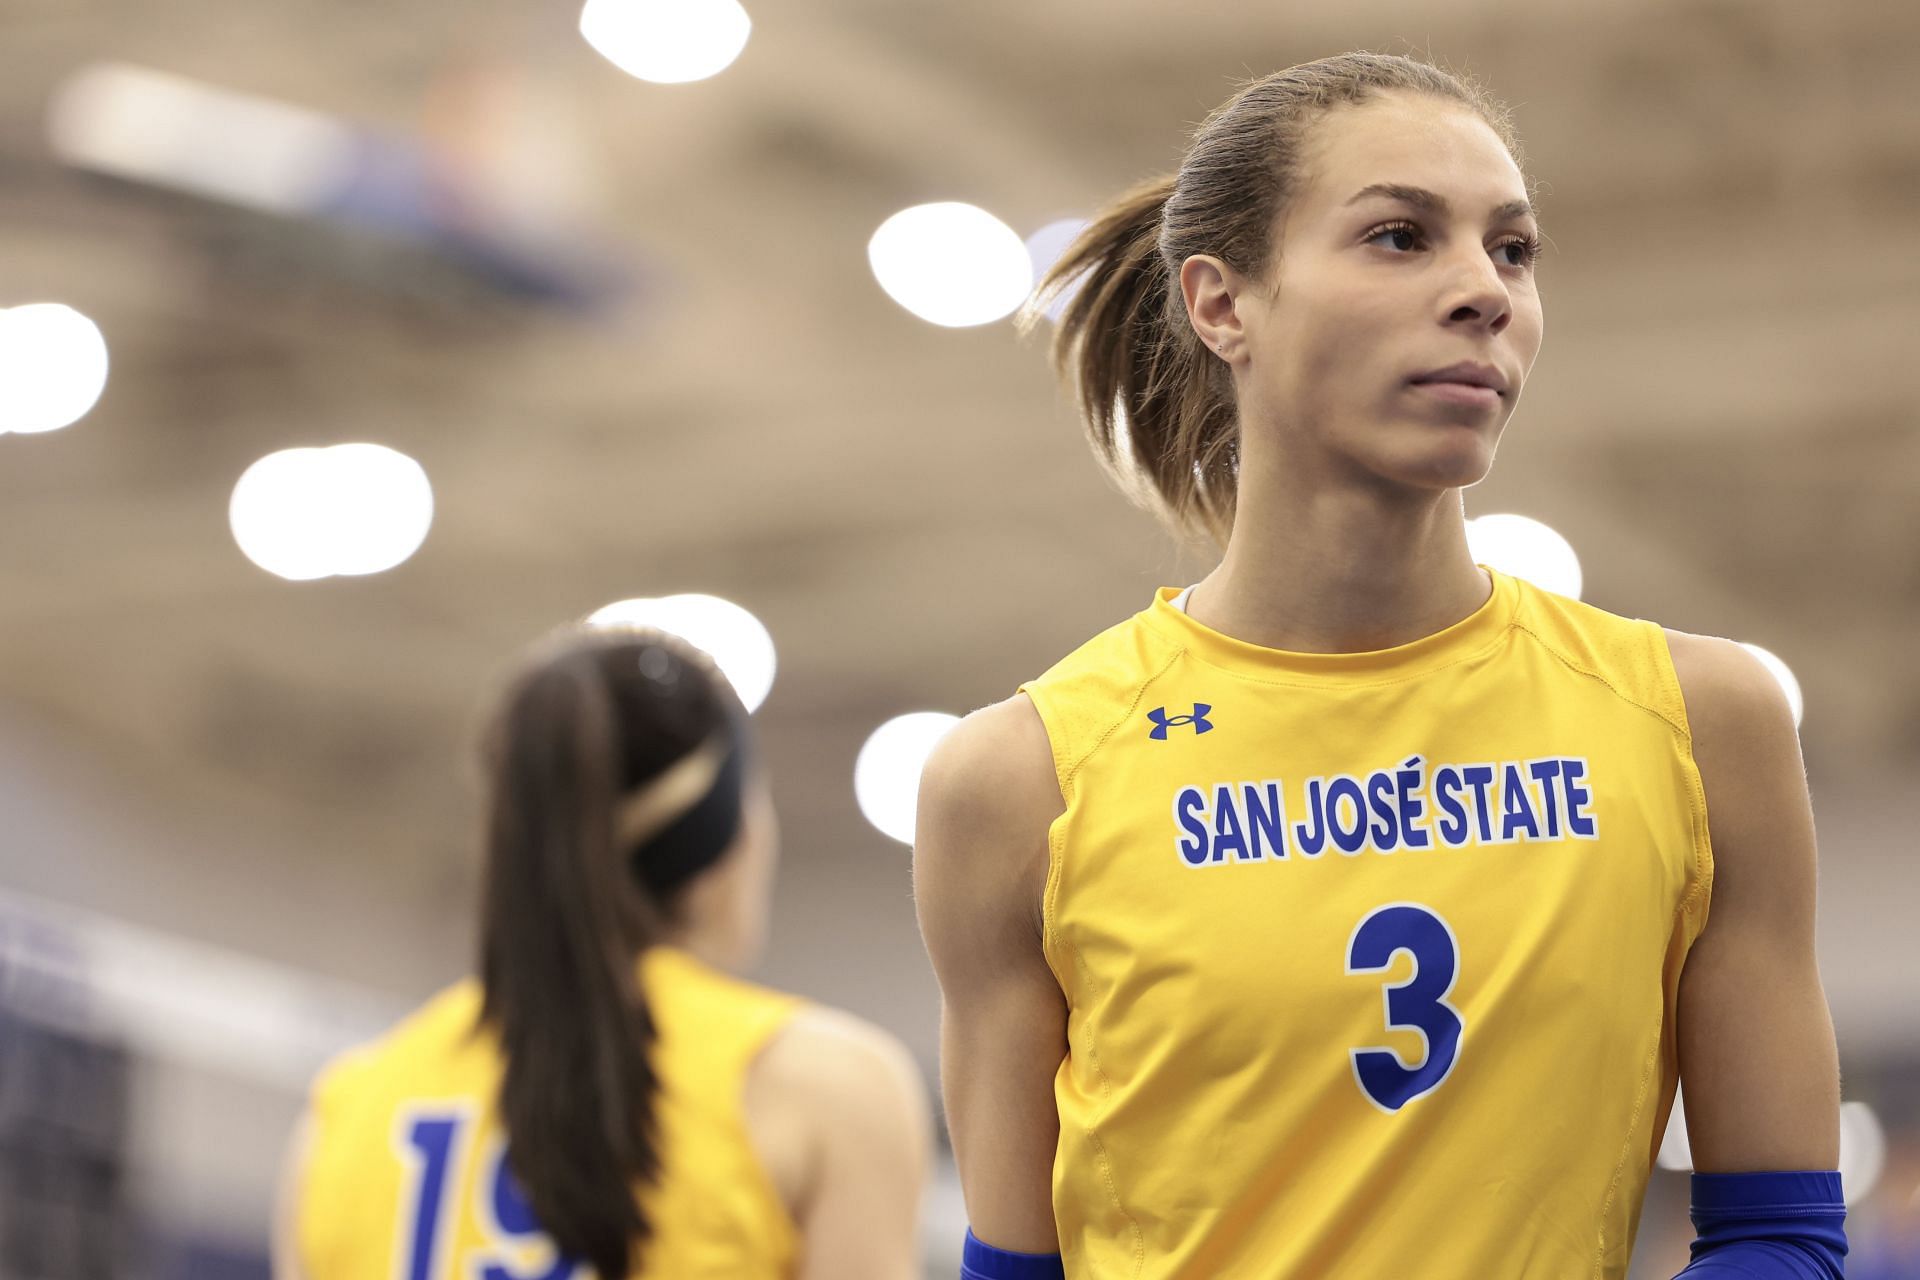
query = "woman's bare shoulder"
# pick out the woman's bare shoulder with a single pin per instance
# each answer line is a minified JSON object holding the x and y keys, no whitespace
{"x":831,"y":1089}
{"x":991,"y":776}
{"x":1737,"y":712}
{"x":823,"y":1054}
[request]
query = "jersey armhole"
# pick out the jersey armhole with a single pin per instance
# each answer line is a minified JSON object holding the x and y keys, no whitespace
{"x":1052,"y":723}
{"x":773,"y":1021}
{"x":1700,"y":892}
{"x":1070,"y":755}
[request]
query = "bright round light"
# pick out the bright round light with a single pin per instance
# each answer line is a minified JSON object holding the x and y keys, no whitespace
{"x":667,"y":41}
{"x":886,"y":774}
{"x":278,"y":513}
{"x":740,"y":645}
{"x":313,"y":513}
{"x":952,"y":264}
{"x":1525,"y":548}
{"x":1863,"y":1150}
{"x":1676,"y":1153}
{"x":384,"y":504}
{"x":1045,"y":247}
{"x":53,"y":366}
{"x":1784,"y":674}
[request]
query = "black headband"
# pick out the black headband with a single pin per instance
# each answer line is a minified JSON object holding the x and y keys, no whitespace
{"x":693,"y":839}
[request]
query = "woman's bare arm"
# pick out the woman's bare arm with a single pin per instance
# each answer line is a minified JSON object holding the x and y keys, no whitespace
{"x":987,"y":799}
{"x":838,"y":1112}
{"x":1757,"y":1058}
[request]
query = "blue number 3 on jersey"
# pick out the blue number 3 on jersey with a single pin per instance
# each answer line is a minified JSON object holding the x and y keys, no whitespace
{"x":1419,"y":1004}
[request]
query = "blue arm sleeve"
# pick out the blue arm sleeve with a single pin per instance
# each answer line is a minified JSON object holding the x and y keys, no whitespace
{"x":1768,"y":1226}
{"x":984,"y":1262}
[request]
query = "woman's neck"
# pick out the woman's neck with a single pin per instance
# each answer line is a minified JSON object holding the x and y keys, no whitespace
{"x":1342,"y":570}
{"x":705,"y":945}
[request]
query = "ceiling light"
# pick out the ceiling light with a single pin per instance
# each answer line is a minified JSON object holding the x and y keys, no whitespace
{"x":951,"y":264}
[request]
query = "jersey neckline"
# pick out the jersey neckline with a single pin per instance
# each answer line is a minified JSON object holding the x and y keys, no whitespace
{"x":1478,"y":629}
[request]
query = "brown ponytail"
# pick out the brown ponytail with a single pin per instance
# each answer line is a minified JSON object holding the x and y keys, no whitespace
{"x":1158,"y":406}
{"x":565,"y":918}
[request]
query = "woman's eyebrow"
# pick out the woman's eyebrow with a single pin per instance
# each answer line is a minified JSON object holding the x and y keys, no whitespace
{"x":1434,"y":203}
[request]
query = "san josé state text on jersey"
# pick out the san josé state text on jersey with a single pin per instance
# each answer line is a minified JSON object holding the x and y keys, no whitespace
{"x":1411,"y":805}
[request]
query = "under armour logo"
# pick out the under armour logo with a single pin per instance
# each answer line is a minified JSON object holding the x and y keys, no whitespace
{"x":1162,"y":721}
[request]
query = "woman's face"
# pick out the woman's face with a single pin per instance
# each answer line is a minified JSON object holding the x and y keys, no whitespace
{"x":1368,"y":291}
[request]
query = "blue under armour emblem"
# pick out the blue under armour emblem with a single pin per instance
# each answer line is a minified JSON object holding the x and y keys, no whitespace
{"x":1162,"y":721}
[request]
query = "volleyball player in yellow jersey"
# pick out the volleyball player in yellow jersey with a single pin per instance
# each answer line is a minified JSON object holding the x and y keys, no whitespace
{"x":605,"y":1100}
{"x":1355,"y":914}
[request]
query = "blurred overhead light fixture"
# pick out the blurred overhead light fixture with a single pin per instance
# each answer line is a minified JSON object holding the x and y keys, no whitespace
{"x":164,"y":130}
{"x":740,"y":643}
{"x":313,"y":513}
{"x":53,"y":366}
{"x":149,"y":126}
{"x":1525,"y":548}
{"x":667,"y":41}
{"x":950,"y":263}
{"x":886,"y":774}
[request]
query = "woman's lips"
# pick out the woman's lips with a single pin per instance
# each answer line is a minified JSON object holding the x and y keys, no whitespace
{"x":1462,"y":393}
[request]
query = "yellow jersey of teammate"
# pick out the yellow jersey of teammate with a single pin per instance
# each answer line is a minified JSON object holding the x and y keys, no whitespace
{"x":406,"y":1177}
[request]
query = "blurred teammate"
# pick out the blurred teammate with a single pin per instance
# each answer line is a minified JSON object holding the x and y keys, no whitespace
{"x":1347,"y":914}
{"x":665,"y":1119}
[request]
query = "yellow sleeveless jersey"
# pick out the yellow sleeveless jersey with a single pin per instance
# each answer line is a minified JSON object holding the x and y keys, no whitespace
{"x":406,"y":1178}
{"x":1370,"y":959}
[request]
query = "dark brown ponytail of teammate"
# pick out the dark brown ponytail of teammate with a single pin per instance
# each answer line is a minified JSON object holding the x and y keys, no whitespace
{"x":1159,"y":407}
{"x":565,"y":918}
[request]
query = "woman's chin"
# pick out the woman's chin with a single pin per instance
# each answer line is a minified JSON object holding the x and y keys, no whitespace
{"x":1456,"y":461}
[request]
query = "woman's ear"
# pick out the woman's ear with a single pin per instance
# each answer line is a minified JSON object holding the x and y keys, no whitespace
{"x":1212,"y":290}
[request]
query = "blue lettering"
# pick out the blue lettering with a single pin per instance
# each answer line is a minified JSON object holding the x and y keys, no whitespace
{"x":1189,"y":810}
{"x":1413,"y":805}
{"x":1516,"y":807}
{"x":513,"y":1217}
{"x":1348,"y":841}
{"x":1310,"y":835}
{"x":1266,"y":819}
{"x":432,"y":1137}
{"x":1479,"y":777}
{"x":1406,"y":784}
{"x":1581,"y":824}
{"x":1386,"y":822}
{"x":1544,"y":772}
{"x":1226,"y":827}
{"x":1446,"y":794}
